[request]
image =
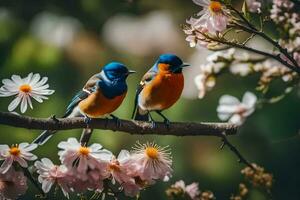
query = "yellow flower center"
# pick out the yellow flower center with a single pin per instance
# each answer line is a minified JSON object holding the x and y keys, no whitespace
{"x":152,"y":152}
{"x":15,"y":151}
{"x":84,"y":151}
{"x":25,"y":88}
{"x":215,"y":6}
{"x":114,"y":166}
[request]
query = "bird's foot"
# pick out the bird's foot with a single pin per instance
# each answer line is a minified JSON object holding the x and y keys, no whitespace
{"x":117,"y":120}
{"x":53,"y":117}
{"x":167,"y":123}
{"x":87,"y":121}
{"x":153,"y":124}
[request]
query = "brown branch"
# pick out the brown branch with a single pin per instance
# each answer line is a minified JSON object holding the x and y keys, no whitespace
{"x":241,"y":46}
{"x":253,"y":29}
{"x":128,"y":126}
{"x":241,"y":158}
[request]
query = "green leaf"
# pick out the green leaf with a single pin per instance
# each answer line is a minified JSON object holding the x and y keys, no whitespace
{"x":245,"y":10}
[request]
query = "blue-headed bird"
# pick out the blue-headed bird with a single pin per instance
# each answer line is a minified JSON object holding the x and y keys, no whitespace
{"x":159,"y":88}
{"x":102,"y":94}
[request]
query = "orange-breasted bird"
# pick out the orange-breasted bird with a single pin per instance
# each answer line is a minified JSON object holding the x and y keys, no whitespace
{"x":102,"y":94}
{"x":159,"y":88}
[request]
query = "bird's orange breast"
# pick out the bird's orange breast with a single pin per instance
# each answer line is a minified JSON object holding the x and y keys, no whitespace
{"x":97,"y":104}
{"x":162,"y":92}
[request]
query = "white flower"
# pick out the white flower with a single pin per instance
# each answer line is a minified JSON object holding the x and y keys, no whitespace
{"x":242,"y":69}
{"x":152,"y":162}
{"x":254,"y":6}
{"x":24,"y":89}
{"x":213,"y":16}
{"x":74,"y":154}
{"x":50,"y":174}
{"x":19,"y":153}
{"x":234,"y":110}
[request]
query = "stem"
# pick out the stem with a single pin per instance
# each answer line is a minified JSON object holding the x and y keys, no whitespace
{"x":232,"y":148}
{"x":276,"y":57}
{"x":253,"y":29}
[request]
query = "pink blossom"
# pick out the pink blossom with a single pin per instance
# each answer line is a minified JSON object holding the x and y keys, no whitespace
{"x":254,"y":6}
{"x":213,"y":16}
{"x":74,"y":154}
{"x":193,"y":190}
{"x":18,"y":153}
{"x":121,"y":171}
{"x":12,"y":184}
{"x":92,"y":180}
{"x":152,"y":162}
{"x":131,"y":189}
{"x":195,"y":34}
{"x":50,"y":174}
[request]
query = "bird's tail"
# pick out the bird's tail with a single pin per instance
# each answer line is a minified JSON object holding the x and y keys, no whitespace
{"x":140,"y":115}
{"x":44,"y":137}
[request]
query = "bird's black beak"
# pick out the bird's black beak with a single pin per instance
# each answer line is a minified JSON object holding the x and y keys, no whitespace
{"x":184,"y":65}
{"x":131,"y":72}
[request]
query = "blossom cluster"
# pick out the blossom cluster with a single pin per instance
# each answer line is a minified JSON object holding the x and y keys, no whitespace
{"x":285,"y":14}
{"x":243,"y":64}
{"x":191,"y":192}
{"x":85,"y":168}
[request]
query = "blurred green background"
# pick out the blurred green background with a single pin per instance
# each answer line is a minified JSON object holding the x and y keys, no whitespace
{"x":70,"y":40}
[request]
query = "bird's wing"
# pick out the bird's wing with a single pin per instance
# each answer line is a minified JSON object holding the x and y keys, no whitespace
{"x":88,"y":88}
{"x":147,"y":78}
{"x":83,"y":94}
{"x":90,"y":84}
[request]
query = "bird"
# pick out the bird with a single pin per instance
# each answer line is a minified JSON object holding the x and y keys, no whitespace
{"x":159,"y":88}
{"x":102,"y":94}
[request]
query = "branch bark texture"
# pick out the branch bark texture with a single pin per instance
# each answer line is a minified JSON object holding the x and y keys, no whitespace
{"x":128,"y":126}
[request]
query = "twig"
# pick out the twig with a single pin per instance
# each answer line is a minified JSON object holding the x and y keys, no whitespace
{"x":240,"y":46}
{"x":132,"y":127}
{"x":253,"y":29}
{"x":241,"y":158}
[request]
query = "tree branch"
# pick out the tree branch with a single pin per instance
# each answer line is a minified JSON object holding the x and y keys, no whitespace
{"x":240,"y":46}
{"x":253,"y":29}
{"x":132,"y":127}
{"x":241,"y":158}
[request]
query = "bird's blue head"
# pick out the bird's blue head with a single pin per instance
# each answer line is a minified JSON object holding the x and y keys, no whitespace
{"x":116,"y":71}
{"x":170,"y":63}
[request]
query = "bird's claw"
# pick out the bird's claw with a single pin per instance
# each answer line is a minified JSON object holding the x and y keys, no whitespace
{"x":87,"y":121}
{"x":117,"y":120}
{"x":167,"y":123}
{"x":53,"y":117}
{"x":153,"y":124}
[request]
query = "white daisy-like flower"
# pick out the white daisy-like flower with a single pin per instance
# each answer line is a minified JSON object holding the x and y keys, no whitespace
{"x":50,"y":174}
{"x":24,"y":89}
{"x":152,"y":162}
{"x":230,"y":108}
{"x":73,"y":154}
{"x":213,"y":16}
{"x":18,"y":153}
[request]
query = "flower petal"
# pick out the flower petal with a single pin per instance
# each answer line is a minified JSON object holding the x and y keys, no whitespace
{"x":24,"y":104}
{"x":12,"y":106}
{"x":6,"y":165}
{"x":249,"y":99}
